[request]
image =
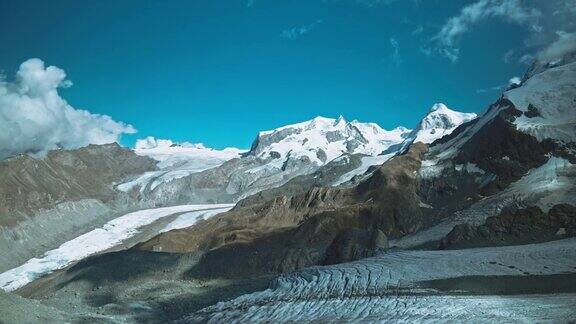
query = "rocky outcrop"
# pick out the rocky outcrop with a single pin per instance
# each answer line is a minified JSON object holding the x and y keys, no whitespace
{"x":425,"y":187}
{"x":522,"y":226}
{"x":355,"y":244}
{"x":504,"y":151}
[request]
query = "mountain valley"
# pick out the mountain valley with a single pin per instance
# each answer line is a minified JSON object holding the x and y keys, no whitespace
{"x":324,"y":220}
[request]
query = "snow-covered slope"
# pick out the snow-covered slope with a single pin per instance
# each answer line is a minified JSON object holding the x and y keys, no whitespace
{"x":547,"y":100}
{"x":321,"y":140}
{"x":176,"y":161}
{"x":512,"y":137}
{"x":440,"y":121}
{"x":192,"y":157}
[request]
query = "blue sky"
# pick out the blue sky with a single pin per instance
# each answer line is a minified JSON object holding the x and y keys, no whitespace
{"x":217,"y":71}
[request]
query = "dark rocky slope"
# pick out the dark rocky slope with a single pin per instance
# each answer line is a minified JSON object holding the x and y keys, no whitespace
{"x":522,"y":226}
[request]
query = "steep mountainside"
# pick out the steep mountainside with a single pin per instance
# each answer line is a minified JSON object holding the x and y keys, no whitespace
{"x":439,"y":122}
{"x":287,"y":233}
{"x":397,"y":241}
{"x":321,"y":140}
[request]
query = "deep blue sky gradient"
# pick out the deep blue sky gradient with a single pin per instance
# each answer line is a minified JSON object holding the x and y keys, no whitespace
{"x":217,"y":71}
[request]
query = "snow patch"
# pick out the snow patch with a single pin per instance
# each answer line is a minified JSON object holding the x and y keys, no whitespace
{"x":188,"y":219}
{"x":366,"y":163}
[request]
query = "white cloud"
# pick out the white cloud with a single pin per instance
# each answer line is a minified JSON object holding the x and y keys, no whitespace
{"x":35,"y":119}
{"x":396,"y":58}
{"x":513,"y":11}
{"x":510,"y":10}
{"x":293,"y":33}
{"x":565,"y":44}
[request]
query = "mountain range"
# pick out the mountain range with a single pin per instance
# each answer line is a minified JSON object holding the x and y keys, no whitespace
{"x":323,"y":214}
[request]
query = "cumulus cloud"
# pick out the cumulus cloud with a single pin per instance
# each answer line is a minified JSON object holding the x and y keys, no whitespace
{"x":513,"y":11}
{"x":296,"y":32}
{"x":35,"y":119}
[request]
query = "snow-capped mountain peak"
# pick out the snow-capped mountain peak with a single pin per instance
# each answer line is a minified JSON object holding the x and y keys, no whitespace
{"x":440,"y":121}
{"x":322,"y":139}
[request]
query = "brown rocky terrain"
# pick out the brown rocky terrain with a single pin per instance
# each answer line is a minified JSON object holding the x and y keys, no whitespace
{"x":526,"y":225}
{"x":47,"y":201}
{"x":28,"y":184}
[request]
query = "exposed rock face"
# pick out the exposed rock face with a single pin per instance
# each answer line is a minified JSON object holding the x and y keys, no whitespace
{"x":502,"y":150}
{"x":324,"y":176}
{"x":28,"y":184}
{"x":527,"y":225}
{"x":355,"y":244}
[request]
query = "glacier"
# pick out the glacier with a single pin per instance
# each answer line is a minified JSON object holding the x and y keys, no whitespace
{"x":101,"y":239}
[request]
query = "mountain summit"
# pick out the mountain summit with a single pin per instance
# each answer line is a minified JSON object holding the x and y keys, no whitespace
{"x":440,"y":121}
{"x":322,"y":139}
